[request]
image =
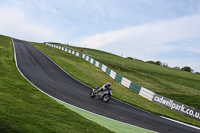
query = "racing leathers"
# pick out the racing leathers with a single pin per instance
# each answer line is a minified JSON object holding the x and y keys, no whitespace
{"x":103,"y":88}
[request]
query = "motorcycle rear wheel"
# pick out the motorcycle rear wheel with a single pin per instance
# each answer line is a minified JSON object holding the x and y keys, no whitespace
{"x":92,"y":95}
{"x":106,"y":98}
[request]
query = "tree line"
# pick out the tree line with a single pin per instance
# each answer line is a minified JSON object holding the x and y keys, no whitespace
{"x":185,"y":68}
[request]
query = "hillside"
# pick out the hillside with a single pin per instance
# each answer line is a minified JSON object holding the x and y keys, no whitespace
{"x":26,"y":109}
{"x":92,"y":76}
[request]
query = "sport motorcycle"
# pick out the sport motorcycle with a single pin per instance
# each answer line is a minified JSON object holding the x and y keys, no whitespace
{"x":104,"y":95}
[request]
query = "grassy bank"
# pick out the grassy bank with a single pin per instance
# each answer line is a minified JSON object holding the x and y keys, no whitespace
{"x":23,"y":108}
{"x":92,"y":76}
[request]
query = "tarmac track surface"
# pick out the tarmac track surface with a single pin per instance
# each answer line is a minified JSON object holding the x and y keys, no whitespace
{"x":51,"y":79}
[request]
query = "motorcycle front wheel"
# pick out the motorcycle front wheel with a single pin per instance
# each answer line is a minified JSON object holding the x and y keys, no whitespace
{"x":106,"y":98}
{"x":92,"y":95}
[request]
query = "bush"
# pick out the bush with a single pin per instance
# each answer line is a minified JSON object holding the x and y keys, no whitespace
{"x":130,"y":58}
{"x":178,"y":68}
{"x":187,"y":68}
{"x":156,"y":63}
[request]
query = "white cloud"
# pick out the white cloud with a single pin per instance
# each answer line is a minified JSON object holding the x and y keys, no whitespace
{"x":149,"y":34}
{"x":193,"y":50}
{"x":147,"y":41}
{"x":14,"y":23}
{"x":192,"y":46}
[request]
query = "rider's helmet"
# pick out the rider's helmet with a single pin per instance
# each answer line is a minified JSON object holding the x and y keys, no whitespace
{"x":109,"y":84}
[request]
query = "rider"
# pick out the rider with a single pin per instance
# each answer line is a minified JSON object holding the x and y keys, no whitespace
{"x":104,"y":87}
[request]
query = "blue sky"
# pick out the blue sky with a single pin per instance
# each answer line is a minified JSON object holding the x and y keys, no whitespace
{"x":164,"y":30}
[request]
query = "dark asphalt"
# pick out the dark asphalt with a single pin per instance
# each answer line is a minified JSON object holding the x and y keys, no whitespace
{"x":47,"y":76}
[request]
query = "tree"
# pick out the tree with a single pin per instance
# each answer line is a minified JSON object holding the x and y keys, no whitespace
{"x":150,"y":62}
{"x":130,"y":58}
{"x":158,"y":63}
{"x":187,"y":68}
{"x":165,"y":65}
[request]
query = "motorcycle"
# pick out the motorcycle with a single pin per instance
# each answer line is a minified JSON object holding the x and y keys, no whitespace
{"x":105,"y":96}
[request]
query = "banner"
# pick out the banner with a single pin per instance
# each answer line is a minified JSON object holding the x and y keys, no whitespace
{"x":178,"y":107}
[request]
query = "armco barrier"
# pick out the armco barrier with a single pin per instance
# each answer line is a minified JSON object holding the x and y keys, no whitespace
{"x":146,"y":93}
{"x":100,"y":65}
{"x":112,"y":74}
{"x":97,"y":64}
{"x":104,"y":67}
{"x":166,"y":102}
{"x":108,"y":70}
{"x":125,"y":82}
{"x":118,"y":78}
{"x":91,"y":61}
{"x":134,"y":87}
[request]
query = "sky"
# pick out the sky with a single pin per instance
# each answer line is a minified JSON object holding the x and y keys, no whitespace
{"x":157,"y":30}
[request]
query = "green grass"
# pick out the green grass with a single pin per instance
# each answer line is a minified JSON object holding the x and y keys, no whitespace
{"x":92,"y":76}
{"x":23,"y":108}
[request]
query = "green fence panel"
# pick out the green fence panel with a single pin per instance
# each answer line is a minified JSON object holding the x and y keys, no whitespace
{"x":118,"y":78}
{"x":100,"y":65}
{"x":108,"y":71}
{"x":134,"y":87}
{"x":94,"y":62}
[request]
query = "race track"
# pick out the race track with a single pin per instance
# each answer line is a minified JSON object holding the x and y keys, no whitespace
{"x":51,"y":79}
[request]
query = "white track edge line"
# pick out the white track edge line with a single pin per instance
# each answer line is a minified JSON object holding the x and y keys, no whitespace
{"x":180,"y":122}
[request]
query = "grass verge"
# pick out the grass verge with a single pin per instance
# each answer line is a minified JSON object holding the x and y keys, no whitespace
{"x":115,"y":126}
